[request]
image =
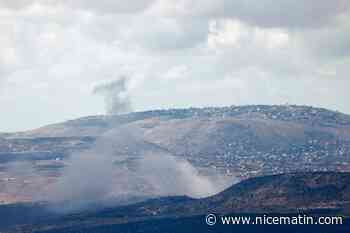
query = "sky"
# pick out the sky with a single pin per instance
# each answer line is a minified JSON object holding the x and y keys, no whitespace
{"x":171,"y":54}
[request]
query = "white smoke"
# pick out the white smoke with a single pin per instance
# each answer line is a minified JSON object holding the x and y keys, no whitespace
{"x":101,"y":177}
{"x":169,"y":176}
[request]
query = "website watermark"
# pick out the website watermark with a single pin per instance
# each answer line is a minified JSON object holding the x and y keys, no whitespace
{"x":300,"y":219}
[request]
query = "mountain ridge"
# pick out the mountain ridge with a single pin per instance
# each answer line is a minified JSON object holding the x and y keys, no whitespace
{"x":237,"y":142}
{"x":301,"y":112}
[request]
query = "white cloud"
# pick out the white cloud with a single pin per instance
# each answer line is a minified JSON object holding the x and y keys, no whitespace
{"x":265,"y":13}
{"x":100,"y":7}
{"x":233,"y":33}
{"x":177,"y":72}
{"x":176,"y":53}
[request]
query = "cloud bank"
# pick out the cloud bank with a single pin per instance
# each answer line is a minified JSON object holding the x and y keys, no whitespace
{"x":178,"y":54}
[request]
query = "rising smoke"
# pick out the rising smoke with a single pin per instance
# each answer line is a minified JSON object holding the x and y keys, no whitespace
{"x":102,"y":176}
{"x":116,"y":97}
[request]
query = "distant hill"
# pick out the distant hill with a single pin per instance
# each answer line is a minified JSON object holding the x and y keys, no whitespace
{"x":238,"y":141}
{"x":96,"y":125}
{"x":243,"y":141}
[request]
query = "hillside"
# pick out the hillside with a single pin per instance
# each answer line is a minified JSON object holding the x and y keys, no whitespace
{"x":317,"y":193}
{"x":284,"y":193}
{"x":237,"y":141}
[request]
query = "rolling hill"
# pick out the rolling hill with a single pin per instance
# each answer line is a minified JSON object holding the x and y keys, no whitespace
{"x":238,"y":141}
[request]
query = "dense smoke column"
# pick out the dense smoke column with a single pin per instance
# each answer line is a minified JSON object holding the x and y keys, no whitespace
{"x":116,"y":96}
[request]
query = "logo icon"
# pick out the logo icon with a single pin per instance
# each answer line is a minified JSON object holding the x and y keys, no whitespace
{"x":210,"y":219}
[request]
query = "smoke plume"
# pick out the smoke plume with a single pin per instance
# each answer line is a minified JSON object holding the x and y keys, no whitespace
{"x":102,"y":176}
{"x":115,"y":95}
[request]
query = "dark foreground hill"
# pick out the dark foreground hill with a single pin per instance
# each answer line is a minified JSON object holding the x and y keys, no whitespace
{"x":312,"y":193}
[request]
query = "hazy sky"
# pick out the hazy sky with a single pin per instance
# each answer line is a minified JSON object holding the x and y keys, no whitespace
{"x":174,"y":53}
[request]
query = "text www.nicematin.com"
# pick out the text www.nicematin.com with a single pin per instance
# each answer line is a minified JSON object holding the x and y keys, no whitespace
{"x":212,"y":219}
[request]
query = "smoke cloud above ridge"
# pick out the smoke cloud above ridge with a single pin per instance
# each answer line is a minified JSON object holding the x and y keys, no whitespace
{"x":115,"y":95}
